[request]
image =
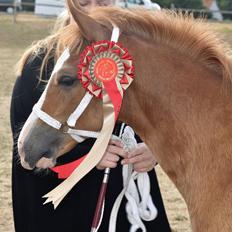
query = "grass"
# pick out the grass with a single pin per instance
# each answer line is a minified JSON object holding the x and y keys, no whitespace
{"x":14,"y":38}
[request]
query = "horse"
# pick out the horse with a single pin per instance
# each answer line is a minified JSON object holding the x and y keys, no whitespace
{"x":179,"y":103}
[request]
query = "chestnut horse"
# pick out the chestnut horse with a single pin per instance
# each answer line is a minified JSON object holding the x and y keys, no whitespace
{"x":180,"y":104}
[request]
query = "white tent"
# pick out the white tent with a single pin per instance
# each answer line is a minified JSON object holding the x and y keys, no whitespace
{"x":49,"y":7}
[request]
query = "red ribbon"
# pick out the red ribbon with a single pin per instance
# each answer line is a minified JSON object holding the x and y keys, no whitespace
{"x":65,"y":170}
{"x":115,"y":96}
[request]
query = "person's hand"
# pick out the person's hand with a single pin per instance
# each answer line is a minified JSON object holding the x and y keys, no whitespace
{"x":112,"y":155}
{"x":141,"y":157}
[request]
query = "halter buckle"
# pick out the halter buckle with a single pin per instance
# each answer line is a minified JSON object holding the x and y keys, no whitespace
{"x":64,"y":128}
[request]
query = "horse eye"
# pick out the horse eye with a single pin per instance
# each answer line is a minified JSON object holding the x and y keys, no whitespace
{"x":67,"y":80}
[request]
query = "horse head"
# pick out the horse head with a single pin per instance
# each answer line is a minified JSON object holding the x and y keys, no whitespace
{"x":40,"y":144}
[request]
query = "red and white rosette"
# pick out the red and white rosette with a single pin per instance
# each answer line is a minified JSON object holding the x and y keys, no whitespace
{"x":102,"y":62}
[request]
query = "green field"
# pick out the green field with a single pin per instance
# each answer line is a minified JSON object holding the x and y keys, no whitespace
{"x":14,"y":38}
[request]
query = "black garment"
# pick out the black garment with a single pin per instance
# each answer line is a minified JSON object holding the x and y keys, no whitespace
{"x":75,"y":213}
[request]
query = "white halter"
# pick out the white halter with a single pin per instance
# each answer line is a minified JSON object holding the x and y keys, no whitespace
{"x":78,"y":135}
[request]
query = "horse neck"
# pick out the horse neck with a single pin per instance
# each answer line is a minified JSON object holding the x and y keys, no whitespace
{"x":177,"y":108}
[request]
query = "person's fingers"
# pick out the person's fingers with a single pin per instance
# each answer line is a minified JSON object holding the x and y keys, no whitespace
{"x":134,"y":159}
{"x":140,"y":170}
{"x":143,"y":166}
{"x":116,"y":142}
{"x":140,"y":165}
{"x":106,"y":164}
{"x":112,"y":157}
{"x":117,"y":150}
{"x":107,"y":161}
{"x":140,"y":149}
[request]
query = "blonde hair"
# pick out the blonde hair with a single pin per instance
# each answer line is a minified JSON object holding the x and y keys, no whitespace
{"x":46,"y":48}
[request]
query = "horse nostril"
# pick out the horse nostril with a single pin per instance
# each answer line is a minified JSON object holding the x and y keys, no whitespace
{"x":32,"y":158}
{"x":30,"y":161}
{"x":48,"y":154}
{"x":26,"y":165}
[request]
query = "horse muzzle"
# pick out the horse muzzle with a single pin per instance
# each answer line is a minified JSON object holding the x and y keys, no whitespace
{"x":38,"y":145}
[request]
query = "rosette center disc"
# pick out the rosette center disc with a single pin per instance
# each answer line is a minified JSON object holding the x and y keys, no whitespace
{"x":105,"y":69}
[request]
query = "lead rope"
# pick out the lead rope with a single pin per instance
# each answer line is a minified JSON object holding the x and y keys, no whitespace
{"x":139,"y":206}
{"x":106,"y":177}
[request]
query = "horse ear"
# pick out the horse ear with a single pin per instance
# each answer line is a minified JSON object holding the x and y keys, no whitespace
{"x":90,"y":28}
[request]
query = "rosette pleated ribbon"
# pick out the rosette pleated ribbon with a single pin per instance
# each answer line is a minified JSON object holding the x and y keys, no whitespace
{"x":106,"y":71}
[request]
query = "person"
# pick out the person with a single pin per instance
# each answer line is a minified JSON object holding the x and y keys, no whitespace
{"x":76,"y":211}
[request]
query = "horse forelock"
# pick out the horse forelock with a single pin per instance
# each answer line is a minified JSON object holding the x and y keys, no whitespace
{"x":189,"y":36}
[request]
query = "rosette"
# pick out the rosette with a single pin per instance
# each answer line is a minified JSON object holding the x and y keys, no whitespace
{"x":104,"y":61}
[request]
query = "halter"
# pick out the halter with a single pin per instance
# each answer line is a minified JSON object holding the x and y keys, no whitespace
{"x":68,"y":127}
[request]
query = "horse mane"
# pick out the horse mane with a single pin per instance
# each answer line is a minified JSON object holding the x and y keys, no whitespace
{"x":189,"y":36}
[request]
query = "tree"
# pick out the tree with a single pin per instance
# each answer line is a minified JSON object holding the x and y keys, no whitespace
{"x":225,"y":5}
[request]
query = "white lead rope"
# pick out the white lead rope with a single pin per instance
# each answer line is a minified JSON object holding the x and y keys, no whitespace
{"x":139,"y":206}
